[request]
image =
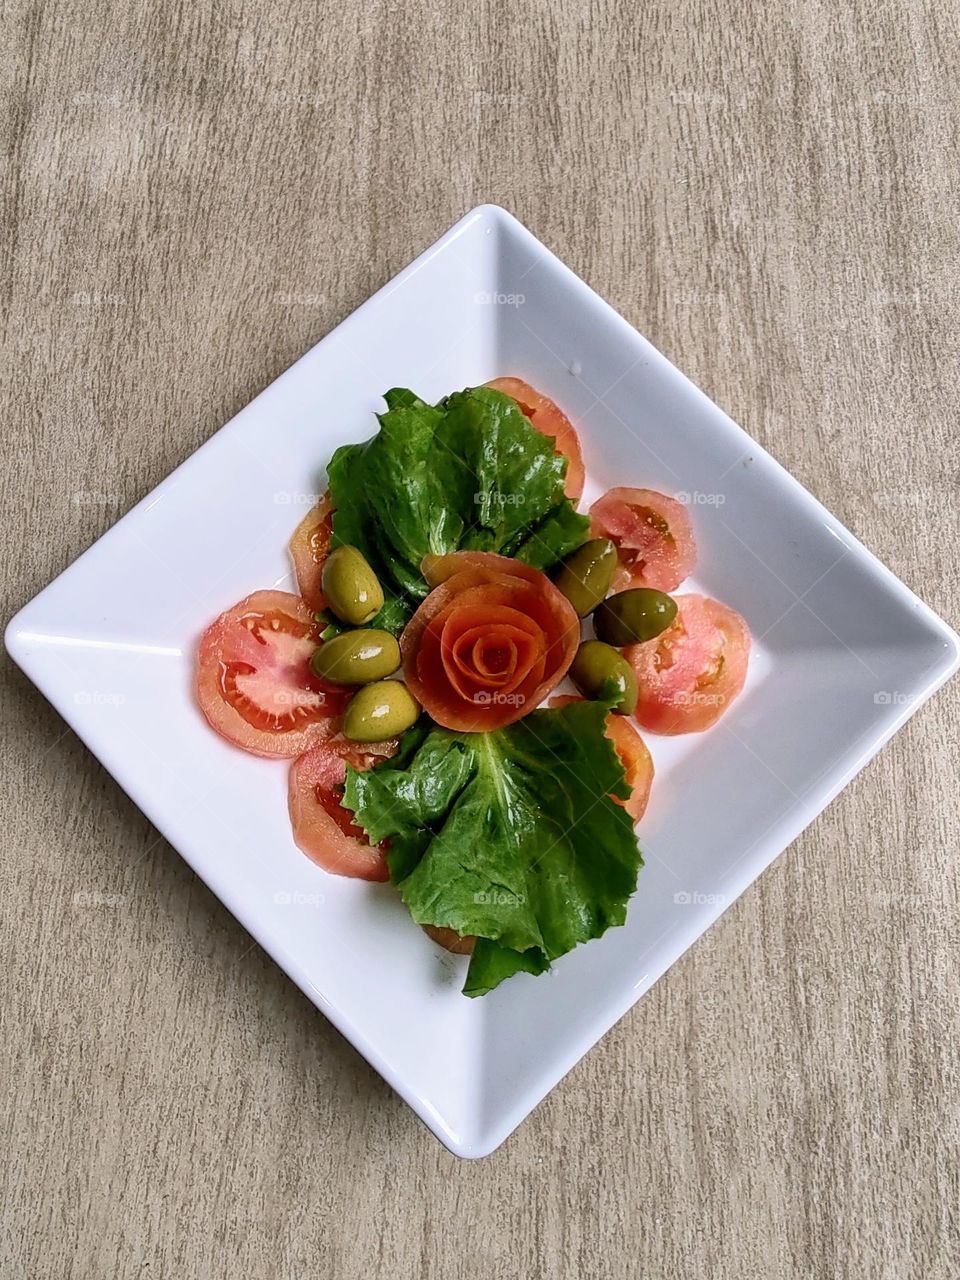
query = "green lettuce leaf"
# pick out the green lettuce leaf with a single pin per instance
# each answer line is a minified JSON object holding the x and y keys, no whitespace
{"x":510,"y":836}
{"x":467,"y":474}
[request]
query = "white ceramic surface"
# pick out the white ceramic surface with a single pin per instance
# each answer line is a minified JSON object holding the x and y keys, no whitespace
{"x":844,"y":654}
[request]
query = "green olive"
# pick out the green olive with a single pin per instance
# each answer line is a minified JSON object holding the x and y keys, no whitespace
{"x":634,"y":616}
{"x":585,"y":575}
{"x":350,"y":586}
{"x":599,"y":670}
{"x":357,"y":657}
{"x":380,"y":711}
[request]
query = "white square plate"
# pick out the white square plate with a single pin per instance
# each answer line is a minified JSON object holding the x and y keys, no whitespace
{"x":844,"y":653}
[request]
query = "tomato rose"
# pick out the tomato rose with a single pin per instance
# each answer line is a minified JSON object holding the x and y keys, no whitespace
{"x":488,"y":643}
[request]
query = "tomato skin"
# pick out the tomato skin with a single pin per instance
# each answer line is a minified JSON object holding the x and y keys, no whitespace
{"x":634,"y":756}
{"x":653,"y":536}
{"x":449,"y":939}
{"x":254,"y":683}
{"x":549,"y":420}
{"x":689,"y":675}
{"x":308,"y":550}
{"x":637,"y":764}
{"x":322,"y":828}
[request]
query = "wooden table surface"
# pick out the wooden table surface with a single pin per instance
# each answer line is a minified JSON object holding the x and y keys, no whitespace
{"x":196,"y":193}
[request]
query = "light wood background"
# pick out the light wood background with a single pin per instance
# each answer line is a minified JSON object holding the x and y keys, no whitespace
{"x":194,"y":193}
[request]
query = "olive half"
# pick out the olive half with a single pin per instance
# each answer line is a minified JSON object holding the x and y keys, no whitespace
{"x":630,"y":617}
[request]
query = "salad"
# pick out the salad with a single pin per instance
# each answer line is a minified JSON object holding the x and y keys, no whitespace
{"x":447,"y":584}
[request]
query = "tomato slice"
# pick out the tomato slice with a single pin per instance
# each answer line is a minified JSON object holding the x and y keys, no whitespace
{"x":308,"y":550}
{"x":254,"y":682}
{"x":549,"y":420}
{"x":653,"y":536}
{"x":322,"y":828}
{"x":449,"y":939}
{"x":634,"y":756}
{"x":689,"y":675}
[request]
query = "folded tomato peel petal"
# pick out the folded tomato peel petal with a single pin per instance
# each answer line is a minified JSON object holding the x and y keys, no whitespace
{"x":483,"y":603}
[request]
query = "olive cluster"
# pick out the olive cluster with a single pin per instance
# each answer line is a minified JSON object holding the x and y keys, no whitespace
{"x":630,"y":617}
{"x":381,"y":708}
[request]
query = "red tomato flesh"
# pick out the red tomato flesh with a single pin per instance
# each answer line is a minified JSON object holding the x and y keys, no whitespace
{"x":308,"y":550}
{"x":322,"y":828}
{"x":652,"y":534}
{"x":549,"y":420}
{"x":689,"y":675}
{"x":634,"y":756}
{"x":254,"y":682}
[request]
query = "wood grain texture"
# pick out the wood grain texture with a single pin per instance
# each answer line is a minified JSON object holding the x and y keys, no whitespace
{"x":194,"y":193}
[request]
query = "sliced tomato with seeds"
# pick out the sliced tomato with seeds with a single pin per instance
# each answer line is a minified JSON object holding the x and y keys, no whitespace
{"x":322,"y":828}
{"x":254,"y":682}
{"x":634,"y":756}
{"x":308,"y":550}
{"x":550,"y":420}
{"x":653,"y":536}
{"x":688,"y":676}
